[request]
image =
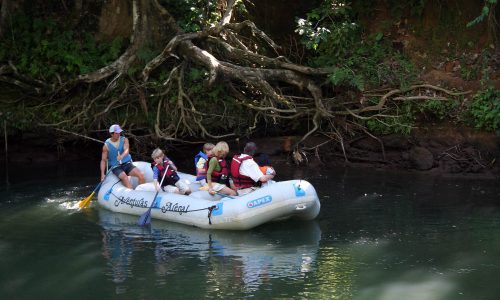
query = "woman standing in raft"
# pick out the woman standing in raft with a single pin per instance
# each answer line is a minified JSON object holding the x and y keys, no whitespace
{"x":217,"y":171}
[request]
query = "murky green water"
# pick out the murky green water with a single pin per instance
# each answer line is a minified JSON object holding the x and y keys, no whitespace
{"x":379,"y":236}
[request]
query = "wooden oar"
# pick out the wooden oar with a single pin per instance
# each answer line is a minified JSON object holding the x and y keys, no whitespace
{"x":85,"y":202}
{"x":145,"y":218}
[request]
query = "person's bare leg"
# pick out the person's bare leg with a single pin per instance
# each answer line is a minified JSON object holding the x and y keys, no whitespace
{"x":138,"y":173}
{"x":124,"y":178}
{"x":228,"y":191}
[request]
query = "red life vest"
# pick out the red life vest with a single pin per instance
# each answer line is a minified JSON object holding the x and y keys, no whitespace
{"x":239,"y":180}
{"x":222,"y":175}
{"x":171,"y":177}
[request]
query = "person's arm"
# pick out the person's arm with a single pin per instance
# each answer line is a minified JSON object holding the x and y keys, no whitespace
{"x":156,"y":174}
{"x":104,"y":159}
{"x":171,"y":164}
{"x":125,"y":150}
{"x":212,"y":164}
{"x":266,"y":178}
{"x":251,"y":169}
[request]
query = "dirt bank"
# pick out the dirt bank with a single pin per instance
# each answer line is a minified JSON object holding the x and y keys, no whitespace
{"x":443,"y":149}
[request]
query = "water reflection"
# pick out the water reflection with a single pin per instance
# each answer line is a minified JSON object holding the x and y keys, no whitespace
{"x":228,"y":262}
{"x":118,"y":250}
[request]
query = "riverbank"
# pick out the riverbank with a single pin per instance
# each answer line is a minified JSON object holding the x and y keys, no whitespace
{"x":442,"y":149}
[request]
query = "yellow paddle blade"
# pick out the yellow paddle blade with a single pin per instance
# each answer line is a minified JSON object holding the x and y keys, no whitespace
{"x":85,"y":202}
{"x":204,"y":188}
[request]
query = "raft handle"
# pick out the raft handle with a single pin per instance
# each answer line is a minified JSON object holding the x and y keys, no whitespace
{"x":300,"y":207}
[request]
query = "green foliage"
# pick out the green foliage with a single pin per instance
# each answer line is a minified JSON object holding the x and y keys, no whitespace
{"x":41,"y":48}
{"x":401,"y":122}
{"x":211,"y":104}
{"x":193,"y":15}
{"x":438,"y":109}
{"x":221,"y":111}
{"x":336,"y":40}
{"x":398,"y":8}
{"x":469,"y":73}
{"x":347,"y":77}
{"x":397,"y":125}
{"x":485,"y":110}
{"x":330,"y":26}
{"x":404,"y":115}
{"x":359,"y":62}
{"x":145,"y":55}
{"x":196,"y":74}
{"x":18,"y":119}
{"x":488,"y":5}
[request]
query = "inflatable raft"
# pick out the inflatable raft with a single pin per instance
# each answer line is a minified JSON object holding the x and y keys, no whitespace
{"x":276,"y":201}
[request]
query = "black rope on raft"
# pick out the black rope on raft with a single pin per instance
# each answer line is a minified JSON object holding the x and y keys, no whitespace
{"x":111,"y":191}
{"x":210,"y":209}
{"x":115,"y":183}
{"x":186,"y":211}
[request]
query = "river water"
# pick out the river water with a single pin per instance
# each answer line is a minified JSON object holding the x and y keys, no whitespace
{"x":379,"y":235}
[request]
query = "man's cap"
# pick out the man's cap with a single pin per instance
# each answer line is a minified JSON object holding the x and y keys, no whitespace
{"x":115,"y":128}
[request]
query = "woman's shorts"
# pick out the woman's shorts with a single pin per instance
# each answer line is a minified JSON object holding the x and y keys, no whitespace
{"x":217,"y":186}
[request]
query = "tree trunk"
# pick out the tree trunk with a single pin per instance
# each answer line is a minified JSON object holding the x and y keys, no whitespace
{"x":146,"y":32}
{"x":7,"y":9}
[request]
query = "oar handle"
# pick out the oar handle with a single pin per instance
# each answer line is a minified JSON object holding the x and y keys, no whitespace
{"x":145,"y":218}
{"x":98,"y":186}
{"x":165,"y":173}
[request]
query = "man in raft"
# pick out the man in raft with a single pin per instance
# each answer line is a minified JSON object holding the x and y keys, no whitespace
{"x":115,"y":154}
{"x":245,"y":172}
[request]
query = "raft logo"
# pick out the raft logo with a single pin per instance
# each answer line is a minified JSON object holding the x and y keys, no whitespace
{"x":174,"y":207}
{"x":259,"y":201}
{"x":132,"y":202}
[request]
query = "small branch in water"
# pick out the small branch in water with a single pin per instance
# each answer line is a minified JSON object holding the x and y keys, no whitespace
{"x":5,"y":134}
{"x":6,"y":153}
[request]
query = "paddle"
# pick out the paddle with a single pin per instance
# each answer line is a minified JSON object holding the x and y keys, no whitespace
{"x":145,"y":218}
{"x":224,"y":195}
{"x":85,"y":202}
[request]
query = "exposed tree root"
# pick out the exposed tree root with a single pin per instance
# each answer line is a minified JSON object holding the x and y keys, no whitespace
{"x":270,"y":87}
